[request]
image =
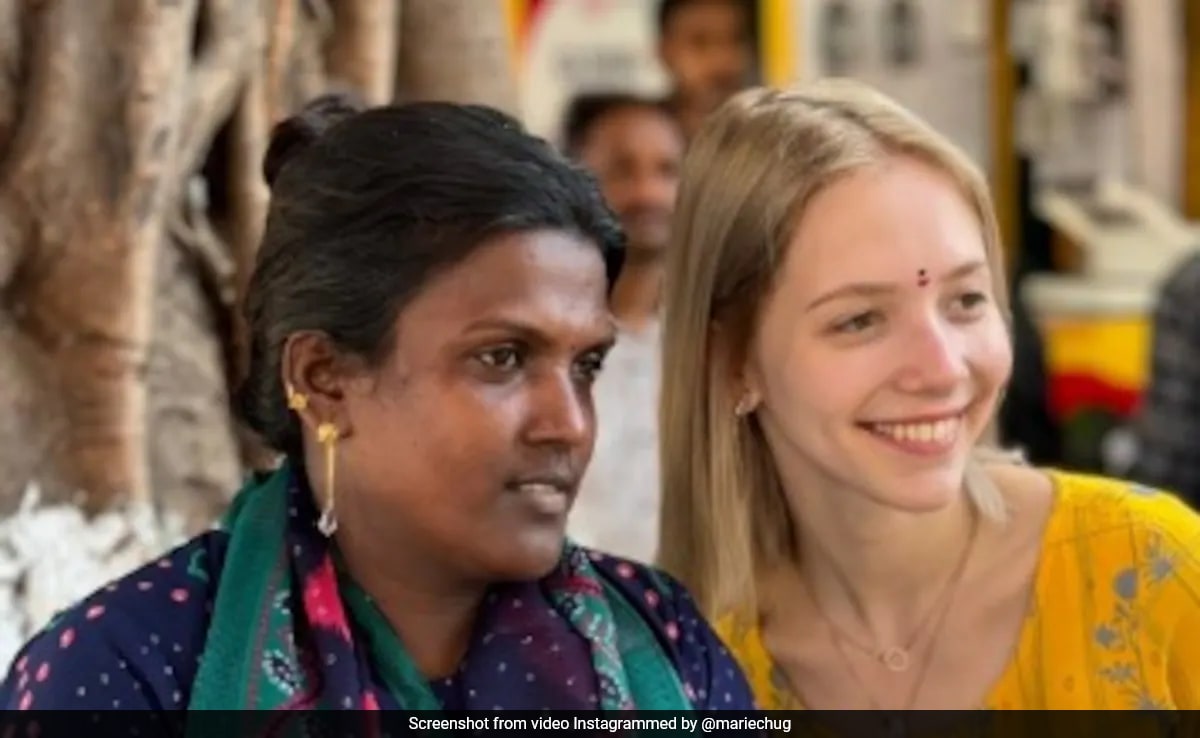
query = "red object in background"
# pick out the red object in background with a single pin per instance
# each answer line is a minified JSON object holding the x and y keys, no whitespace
{"x":1070,"y":393}
{"x":530,"y":13}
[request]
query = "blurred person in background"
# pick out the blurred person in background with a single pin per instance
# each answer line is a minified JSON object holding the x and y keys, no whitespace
{"x":707,"y":50}
{"x":1167,"y":428}
{"x":634,"y":148}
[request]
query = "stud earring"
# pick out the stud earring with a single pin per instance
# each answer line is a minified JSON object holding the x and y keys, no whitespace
{"x":296,"y":400}
{"x":327,"y":436}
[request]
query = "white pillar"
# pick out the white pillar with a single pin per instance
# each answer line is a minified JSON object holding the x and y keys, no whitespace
{"x":1155,"y":53}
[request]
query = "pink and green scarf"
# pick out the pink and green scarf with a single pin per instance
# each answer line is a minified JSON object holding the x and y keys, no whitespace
{"x":281,"y":638}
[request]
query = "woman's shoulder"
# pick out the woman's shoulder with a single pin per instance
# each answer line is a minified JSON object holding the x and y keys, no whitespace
{"x":1120,"y":567}
{"x":666,"y":604}
{"x":1067,"y":508}
{"x":741,"y":633}
{"x":1091,"y":507}
{"x":661,"y":599}
{"x":710,"y":674}
{"x":1123,"y":542}
{"x":133,"y":643}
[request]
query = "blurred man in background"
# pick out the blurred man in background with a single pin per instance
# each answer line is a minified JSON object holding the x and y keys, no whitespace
{"x":706,"y":47}
{"x":634,"y":147}
{"x":1168,"y":426}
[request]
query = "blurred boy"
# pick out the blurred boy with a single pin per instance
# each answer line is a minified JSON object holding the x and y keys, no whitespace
{"x":706,"y":48}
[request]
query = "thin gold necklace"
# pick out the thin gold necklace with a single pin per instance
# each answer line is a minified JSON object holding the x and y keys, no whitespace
{"x":898,"y":658}
{"x":926,"y":658}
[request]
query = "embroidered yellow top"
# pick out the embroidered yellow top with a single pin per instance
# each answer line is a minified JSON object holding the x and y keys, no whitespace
{"x":1115,"y":619}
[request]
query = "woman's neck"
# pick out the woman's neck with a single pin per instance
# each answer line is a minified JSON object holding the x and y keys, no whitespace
{"x":872,"y":571}
{"x":432,"y":612}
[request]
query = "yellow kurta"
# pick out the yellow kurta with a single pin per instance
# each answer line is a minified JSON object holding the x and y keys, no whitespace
{"x":1115,"y":622}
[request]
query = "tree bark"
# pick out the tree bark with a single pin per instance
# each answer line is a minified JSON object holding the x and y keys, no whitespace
{"x":221,"y":68}
{"x":131,"y":205}
{"x":279,"y":51}
{"x":90,"y":163}
{"x":455,"y":50}
{"x":362,"y":49}
{"x":32,"y":422}
{"x":11,"y":43}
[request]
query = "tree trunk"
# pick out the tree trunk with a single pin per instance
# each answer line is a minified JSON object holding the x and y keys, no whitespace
{"x":362,"y":49}
{"x":89,"y":168}
{"x":456,"y":50}
{"x":131,"y":205}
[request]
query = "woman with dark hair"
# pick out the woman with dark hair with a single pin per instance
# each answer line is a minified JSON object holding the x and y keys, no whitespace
{"x":427,"y":314}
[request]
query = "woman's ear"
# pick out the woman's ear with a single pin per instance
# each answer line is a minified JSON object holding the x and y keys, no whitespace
{"x":733,"y":355}
{"x":747,"y":388}
{"x":314,"y":381}
{"x":732,"y":358}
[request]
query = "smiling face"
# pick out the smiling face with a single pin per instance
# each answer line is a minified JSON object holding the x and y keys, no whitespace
{"x":881,"y":353}
{"x":468,"y":442}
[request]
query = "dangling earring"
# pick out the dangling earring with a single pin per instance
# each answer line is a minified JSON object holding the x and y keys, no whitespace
{"x":744,"y":406}
{"x":295,"y":400}
{"x":327,"y":436}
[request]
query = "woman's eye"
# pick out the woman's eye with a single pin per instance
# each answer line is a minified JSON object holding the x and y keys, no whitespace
{"x":590,"y":366}
{"x":858,"y":323}
{"x":972,"y":299}
{"x":970,"y":302}
{"x":505,"y":358}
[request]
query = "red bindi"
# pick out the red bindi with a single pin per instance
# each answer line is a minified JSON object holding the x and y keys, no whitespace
{"x":922,"y":278}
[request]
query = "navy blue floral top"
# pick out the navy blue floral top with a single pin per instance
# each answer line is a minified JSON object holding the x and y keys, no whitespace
{"x":136,"y":644}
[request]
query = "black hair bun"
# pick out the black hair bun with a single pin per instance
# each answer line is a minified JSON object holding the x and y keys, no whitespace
{"x":295,"y":134}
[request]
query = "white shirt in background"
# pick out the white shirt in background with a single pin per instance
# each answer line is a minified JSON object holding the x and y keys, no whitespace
{"x":616,"y":510}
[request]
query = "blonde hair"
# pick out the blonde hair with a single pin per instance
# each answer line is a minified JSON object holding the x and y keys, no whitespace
{"x":748,"y":176}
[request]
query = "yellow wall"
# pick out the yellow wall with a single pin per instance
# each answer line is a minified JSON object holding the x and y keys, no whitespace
{"x":778,"y":32}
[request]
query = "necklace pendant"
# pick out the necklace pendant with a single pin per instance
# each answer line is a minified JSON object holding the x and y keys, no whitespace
{"x":894,"y":658}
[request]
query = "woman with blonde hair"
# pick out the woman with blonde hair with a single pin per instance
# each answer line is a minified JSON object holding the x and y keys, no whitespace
{"x":836,"y":342}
